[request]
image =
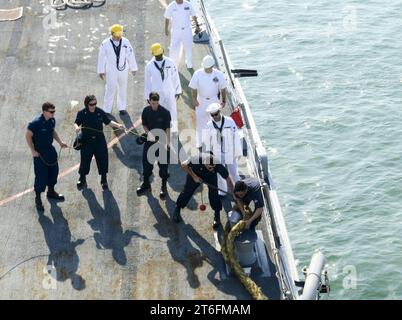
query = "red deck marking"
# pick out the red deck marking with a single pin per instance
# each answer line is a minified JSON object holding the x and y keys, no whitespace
{"x":69,"y":170}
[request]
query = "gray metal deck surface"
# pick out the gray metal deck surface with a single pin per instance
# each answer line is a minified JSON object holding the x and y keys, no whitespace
{"x":103,"y":245}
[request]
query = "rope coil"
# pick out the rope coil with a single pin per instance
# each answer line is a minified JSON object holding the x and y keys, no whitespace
{"x":76,"y":4}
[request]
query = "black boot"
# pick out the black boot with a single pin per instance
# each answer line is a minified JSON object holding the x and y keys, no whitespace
{"x":176,"y":215}
{"x":52,"y":194}
{"x":144,"y":187}
{"x":163,"y":192}
{"x":38,"y":202}
{"x":217,"y":220}
{"x":82,"y":182}
{"x":103,"y":182}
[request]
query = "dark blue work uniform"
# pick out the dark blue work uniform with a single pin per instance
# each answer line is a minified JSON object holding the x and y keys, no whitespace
{"x":93,"y":140}
{"x":210,"y":177}
{"x":159,"y":119}
{"x":254,"y":193}
{"x":46,"y":167}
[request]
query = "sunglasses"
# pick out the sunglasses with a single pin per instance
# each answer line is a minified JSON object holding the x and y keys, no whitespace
{"x":215,"y":114}
{"x":51,"y":111}
{"x":154,"y":99}
{"x":92,"y":104}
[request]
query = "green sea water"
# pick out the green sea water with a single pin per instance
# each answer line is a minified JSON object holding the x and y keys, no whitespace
{"x":327,"y":103}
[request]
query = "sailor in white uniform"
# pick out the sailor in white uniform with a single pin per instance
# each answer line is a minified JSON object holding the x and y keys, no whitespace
{"x":180,"y":12}
{"x":222,"y":138}
{"x":161,"y":76}
{"x":116,"y":58}
{"x":207,"y":85}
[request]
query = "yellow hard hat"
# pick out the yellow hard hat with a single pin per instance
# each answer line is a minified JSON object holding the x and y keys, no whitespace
{"x":156,"y":49}
{"x":117,"y":30}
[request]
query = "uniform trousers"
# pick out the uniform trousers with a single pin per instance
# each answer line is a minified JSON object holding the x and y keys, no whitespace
{"x":191,"y":186}
{"x":148,"y":164}
{"x":46,"y":169}
{"x":94,"y":146}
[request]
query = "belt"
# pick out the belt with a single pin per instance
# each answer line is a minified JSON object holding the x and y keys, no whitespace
{"x":43,"y":147}
{"x":91,"y":136}
{"x":206,"y":98}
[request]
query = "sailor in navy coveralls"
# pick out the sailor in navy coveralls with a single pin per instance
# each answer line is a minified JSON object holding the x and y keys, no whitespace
{"x":91,"y":120}
{"x":40,"y":134}
{"x":203,"y":168}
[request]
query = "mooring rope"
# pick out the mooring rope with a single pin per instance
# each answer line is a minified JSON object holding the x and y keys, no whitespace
{"x":229,"y":254}
{"x":76,"y":4}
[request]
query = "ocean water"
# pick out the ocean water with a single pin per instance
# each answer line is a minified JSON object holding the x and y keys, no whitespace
{"x":328,"y":104}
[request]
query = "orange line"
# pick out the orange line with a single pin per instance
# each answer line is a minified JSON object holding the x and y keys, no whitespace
{"x":69,"y":170}
{"x":12,"y":198}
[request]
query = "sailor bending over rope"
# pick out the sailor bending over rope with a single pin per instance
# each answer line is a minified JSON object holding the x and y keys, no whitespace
{"x":245,"y":191}
{"x":204,"y":168}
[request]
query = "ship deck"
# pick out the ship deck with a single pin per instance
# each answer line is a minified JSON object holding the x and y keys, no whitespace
{"x":101,"y":244}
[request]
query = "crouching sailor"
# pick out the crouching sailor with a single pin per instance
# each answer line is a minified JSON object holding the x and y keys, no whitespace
{"x":40,"y":134}
{"x":247,"y":191}
{"x":199,"y":169}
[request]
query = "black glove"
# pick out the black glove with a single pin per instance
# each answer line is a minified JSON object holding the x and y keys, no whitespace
{"x":77,"y":145}
{"x":141,"y":139}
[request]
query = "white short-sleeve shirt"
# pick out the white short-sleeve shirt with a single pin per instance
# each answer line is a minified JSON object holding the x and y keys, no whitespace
{"x":180,"y":14}
{"x":208,"y":85}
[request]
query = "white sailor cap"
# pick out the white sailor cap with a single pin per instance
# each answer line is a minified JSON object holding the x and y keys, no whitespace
{"x":208,"y":62}
{"x":214,"y":107}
